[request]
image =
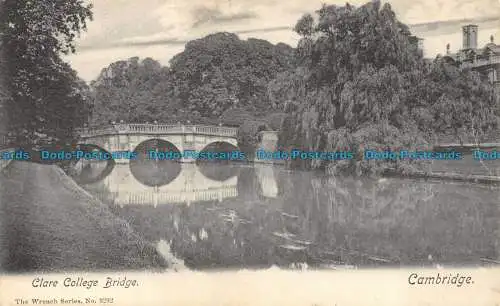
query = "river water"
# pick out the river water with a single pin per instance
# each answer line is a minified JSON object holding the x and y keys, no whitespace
{"x":235,"y":215}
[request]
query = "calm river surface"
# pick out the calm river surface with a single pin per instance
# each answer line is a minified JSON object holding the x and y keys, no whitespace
{"x":220,"y":216}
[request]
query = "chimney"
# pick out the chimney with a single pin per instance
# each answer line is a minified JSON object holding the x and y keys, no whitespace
{"x":469,"y":36}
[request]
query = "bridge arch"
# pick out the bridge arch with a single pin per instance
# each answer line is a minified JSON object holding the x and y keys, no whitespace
{"x":157,"y":163}
{"x":91,"y":171}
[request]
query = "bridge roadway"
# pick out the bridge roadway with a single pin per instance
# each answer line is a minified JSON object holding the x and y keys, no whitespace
{"x":129,"y":137}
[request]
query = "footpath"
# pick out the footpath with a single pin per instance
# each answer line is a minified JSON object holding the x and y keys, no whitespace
{"x":48,"y":223}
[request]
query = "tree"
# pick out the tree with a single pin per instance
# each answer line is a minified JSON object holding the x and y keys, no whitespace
{"x":4,"y":88}
{"x":46,"y":94}
{"x":214,"y":74}
{"x":249,"y":137}
{"x":467,"y":102}
{"x":134,"y":91}
{"x":362,"y":82}
{"x":220,"y":72}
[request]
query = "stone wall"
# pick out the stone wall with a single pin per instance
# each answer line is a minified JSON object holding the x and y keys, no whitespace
{"x":269,"y":140}
{"x":269,"y":143}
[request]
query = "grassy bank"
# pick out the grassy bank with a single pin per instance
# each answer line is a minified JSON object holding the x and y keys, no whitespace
{"x":48,"y":223}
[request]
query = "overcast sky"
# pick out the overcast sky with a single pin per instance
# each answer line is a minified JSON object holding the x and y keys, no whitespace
{"x":160,"y":28}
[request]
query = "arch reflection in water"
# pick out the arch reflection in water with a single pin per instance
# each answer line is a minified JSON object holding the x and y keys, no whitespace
{"x":154,"y":172}
{"x":215,"y":169}
{"x":91,"y":171}
{"x":122,"y":188}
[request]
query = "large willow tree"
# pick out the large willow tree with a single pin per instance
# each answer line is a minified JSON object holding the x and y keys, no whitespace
{"x":48,"y":99}
{"x":363,"y":83}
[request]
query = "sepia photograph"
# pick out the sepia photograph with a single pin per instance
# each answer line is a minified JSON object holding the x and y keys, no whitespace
{"x":169,"y":138}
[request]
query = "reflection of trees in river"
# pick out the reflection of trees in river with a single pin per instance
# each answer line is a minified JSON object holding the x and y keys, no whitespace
{"x":402,"y":221}
{"x":327,"y":220}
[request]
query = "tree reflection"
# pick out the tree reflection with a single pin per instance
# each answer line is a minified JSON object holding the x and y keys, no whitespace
{"x":328,"y":221}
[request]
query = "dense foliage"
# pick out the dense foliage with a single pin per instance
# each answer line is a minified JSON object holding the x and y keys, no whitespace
{"x":221,"y":71}
{"x":4,"y":89}
{"x":362,"y":83}
{"x":133,"y":91}
{"x":249,"y":137}
{"x":214,"y":76}
{"x":47,"y":99}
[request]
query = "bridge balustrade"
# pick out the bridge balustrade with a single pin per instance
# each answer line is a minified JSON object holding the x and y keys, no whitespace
{"x":148,"y":128}
{"x":158,"y":129}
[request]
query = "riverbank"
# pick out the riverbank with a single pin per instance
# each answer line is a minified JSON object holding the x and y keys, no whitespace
{"x":49,"y":223}
{"x":471,"y":178}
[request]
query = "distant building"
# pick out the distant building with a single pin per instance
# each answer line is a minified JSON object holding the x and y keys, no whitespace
{"x":485,"y":59}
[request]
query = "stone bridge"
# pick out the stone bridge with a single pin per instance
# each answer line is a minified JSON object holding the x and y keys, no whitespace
{"x":132,"y":137}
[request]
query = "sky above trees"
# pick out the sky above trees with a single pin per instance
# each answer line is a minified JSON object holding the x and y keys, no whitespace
{"x":160,"y":28}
